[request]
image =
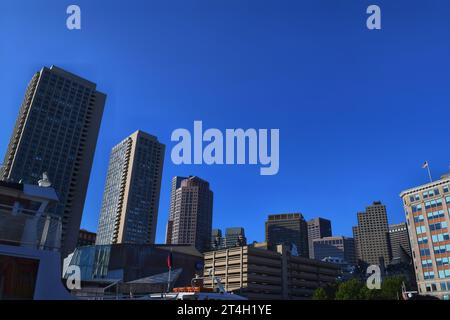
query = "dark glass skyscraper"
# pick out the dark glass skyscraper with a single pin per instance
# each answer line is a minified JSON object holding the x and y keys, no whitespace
{"x":190,"y":217}
{"x":317,"y":228}
{"x":234,"y":237}
{"x":130,"y":204}
{"x":288,"y":229}
{"x":56,"y":132}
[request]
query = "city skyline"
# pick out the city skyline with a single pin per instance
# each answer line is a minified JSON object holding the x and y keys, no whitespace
{"x":349,"y":145}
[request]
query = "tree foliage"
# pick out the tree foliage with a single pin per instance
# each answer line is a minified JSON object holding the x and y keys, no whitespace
{"x":354,"y":289}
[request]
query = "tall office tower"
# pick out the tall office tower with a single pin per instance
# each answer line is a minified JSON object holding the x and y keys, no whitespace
{"x":317,"y":228}
{"x":235,"y":237}
{"x":176,"y":183}
{"x":190,"y":217}
{"x":335,"y":247}
{"x":288,"y":228}
{"x":372,"y":234}
{"x":56,"y":132}
{"x":356,"y":240}
{"x":427,"y":209}
{"x":216,"y":239}
{"x":399,"y":239}
{"x":131,"y":198}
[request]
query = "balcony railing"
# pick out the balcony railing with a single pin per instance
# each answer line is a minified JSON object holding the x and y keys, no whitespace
{"x":28,"y":228}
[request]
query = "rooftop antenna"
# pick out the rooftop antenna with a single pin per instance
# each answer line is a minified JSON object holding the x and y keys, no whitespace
{"x":44,"y":182}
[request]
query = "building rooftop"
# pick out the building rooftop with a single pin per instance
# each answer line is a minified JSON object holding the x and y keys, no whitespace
{"x":444,"y":178}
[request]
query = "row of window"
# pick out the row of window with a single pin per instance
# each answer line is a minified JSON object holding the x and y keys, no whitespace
{"x":441,"y":249}
{"x":433,"y":203}
{"x":444,"y":274}
{"x":433,"y":227}
{"x":429,"y":193}
{"x":443,"y":287}
{"x":440,"y":237}
{"x":436,"y":249}
{"x":442,"y":261}
{"x":438,"y":226}
{"x":435,"y":214}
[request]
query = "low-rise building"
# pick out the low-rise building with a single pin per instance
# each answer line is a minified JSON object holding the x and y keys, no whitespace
{"x":265,"y":274}
{"x":136,"y":268}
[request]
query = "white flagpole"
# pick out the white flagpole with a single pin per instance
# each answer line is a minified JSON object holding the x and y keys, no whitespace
{"x":429,"y":172}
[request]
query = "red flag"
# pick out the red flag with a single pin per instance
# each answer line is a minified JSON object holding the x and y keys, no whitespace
{"x":169,"y":260}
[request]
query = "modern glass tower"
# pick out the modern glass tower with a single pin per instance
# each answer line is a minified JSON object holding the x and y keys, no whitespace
{"x":130,"y":204}
{"x":190,"y":217}
{"x":56,"y":132}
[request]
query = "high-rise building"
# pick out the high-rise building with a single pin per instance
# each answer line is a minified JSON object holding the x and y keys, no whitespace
{"x":176,"y":183}
{"x":130,"y":204}
{"x":86,"y":238}
{"x":372,"y":235}
{"x":190,"y":216}
{"x":216,"y":239}
{"x":335,"y":247}
{"x":287,"y":229}
{"x":317,"y":228}
{"x":56,"y":132}
{"x":356,"y":240}
{"x":235,"y":237}
{"x":427,"y":209}
{"x":399,"y":240}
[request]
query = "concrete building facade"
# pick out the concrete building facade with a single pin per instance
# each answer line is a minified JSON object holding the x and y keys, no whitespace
{"x":190,"y":216}
{"x":399,"y":240}
{"x":372,"y":235}
{"x":317,"y":228}
{"x":427,"y":209}
{"x":130,"y":203}
{"x":267,"y":274}
{"x":234,"y":237}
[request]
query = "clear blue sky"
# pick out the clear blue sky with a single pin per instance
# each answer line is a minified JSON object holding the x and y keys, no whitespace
{"x":359,"y":111}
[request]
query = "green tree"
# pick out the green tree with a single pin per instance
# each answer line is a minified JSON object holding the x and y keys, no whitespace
{"x":391,"y":287}
{"x":350,"y":290}
{"x":370,"y":294}
{"x":320,"y":294}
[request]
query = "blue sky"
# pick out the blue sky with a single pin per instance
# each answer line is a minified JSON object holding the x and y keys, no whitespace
{"x":359,"y":111}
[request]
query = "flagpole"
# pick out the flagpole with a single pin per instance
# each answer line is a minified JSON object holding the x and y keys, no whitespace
{"x":168,"y":281}
{"x":169,"y":264}
{"x":429,"y":173}
{"x":427,"y":165}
